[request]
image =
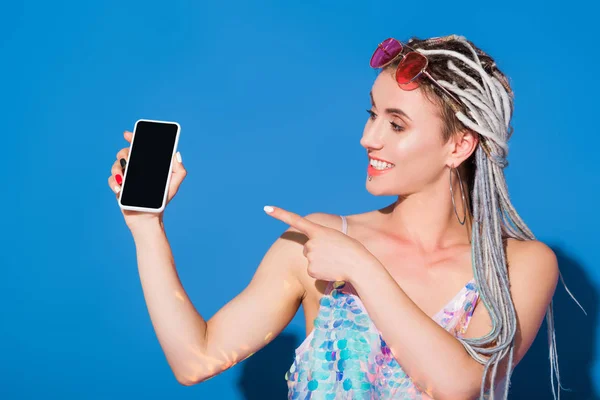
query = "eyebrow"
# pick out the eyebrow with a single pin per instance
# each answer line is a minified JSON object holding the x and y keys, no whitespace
{"x":391,"y":110}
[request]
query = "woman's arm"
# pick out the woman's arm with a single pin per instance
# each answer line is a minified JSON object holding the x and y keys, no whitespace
{"x":436,"y":361}
{"x":197,"y":349}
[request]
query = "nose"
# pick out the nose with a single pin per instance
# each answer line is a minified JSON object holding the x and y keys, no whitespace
{"x":372,"y":137}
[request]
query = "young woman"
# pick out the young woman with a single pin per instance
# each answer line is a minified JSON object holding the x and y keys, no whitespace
{"x":438,"y":295}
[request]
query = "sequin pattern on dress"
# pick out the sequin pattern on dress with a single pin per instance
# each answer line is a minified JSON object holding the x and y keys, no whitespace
{"x":346,"y":357}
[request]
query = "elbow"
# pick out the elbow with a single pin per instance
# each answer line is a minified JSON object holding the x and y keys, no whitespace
{"x":202,"y":365}
{"x":188,"y":368}
{"x":187,"y":380}
{"x":191,"y":379}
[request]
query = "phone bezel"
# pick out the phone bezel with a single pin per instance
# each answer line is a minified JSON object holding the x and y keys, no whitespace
{"x":164,"y":200}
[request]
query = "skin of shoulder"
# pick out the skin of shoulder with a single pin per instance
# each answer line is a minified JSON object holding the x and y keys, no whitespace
{"x":533,"y":274}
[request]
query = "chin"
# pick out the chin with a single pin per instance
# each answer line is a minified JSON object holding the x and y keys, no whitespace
{"x":377,"y":189}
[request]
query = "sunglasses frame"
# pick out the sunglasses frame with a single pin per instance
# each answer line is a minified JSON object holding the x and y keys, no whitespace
{"x":456,"y":106}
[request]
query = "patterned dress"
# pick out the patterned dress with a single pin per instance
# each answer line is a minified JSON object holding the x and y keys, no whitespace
{"x":345,"y":356}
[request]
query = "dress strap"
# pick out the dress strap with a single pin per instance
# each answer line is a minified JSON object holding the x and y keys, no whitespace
{"x":330,"y":284}
{"x":329,"y":287}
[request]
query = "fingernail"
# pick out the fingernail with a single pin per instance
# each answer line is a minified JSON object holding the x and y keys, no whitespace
{"x":117,"y":188}
{"x":269,"y":209}
{"x":178,"y":156}
{"x":123,"y":162}
{"x":119,"y":179}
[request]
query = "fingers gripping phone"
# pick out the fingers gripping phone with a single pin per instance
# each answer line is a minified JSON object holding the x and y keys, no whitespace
{"x":148,"y":171}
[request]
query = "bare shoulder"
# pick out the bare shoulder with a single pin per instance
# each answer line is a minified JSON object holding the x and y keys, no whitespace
{"x":532,"y":261}
{"x":533,"y":274}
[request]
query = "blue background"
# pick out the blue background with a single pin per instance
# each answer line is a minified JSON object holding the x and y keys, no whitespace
{"x":271,"y":99}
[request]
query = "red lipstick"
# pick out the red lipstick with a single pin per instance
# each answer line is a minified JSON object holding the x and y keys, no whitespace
{"x":376,"y":172}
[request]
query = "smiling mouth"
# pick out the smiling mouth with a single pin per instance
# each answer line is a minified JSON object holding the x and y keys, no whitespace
{"x":373,"y":171}
{"x":380,"y":164}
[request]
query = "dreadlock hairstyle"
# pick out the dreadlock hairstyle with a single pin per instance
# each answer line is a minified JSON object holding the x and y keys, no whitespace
{"x":487,"y":106}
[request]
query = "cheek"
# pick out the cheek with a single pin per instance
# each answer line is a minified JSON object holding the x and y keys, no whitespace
{"x":417,"y":160}
{"x":413,"y":151}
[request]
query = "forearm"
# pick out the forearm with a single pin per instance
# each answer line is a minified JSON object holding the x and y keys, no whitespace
{"x":430,"y":355}
{"x":180,"y":329}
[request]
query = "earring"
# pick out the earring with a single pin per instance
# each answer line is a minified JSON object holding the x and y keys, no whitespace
{"x":462,"y":193}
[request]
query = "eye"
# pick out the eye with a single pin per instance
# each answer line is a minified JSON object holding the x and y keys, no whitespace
{"x":396,"y":127}
{"x":372,"y":115}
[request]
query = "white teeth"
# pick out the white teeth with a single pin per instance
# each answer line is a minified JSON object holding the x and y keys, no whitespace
{"x":380,"y":164}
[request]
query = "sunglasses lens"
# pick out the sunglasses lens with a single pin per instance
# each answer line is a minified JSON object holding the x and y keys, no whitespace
{"x":410,"y":67}
{"x":386,"y":52}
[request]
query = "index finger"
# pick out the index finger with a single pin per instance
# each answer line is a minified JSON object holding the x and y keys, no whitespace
{"x":294,"y":220}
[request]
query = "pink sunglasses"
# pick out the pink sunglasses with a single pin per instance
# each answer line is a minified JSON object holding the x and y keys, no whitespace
{"x":411,"y":67}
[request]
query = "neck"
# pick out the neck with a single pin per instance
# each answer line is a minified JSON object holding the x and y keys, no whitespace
{"x":427,"y":219}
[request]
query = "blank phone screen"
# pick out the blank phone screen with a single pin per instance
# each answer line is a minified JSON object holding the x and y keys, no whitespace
{"x":149,"y":164}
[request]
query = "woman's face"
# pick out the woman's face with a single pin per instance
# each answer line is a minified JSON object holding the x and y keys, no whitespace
{"x":405,"y":130}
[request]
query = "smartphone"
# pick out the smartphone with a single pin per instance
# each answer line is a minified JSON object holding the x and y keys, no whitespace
{"x":149,"y":168}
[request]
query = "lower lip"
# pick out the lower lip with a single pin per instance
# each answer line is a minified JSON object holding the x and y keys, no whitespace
{"x":376,"y":172}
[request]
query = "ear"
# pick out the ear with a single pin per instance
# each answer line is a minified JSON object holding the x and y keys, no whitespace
{"x":462,"y":145}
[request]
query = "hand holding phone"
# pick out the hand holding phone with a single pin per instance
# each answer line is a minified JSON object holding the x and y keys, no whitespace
{"x":153,"y":170}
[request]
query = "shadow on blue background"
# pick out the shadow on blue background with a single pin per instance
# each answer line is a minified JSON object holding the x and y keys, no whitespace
{"x":262,"y":375}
